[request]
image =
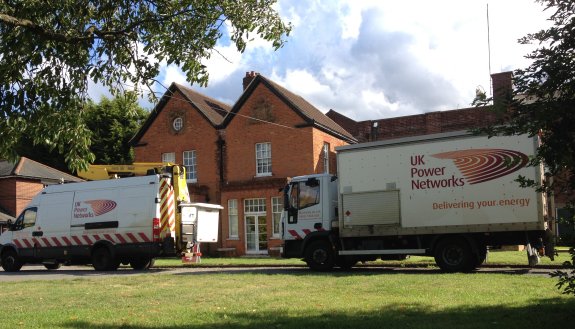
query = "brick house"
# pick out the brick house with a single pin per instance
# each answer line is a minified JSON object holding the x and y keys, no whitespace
{"x":241,"y":155}
{"x":21,"y":181}
{"x":184,"y":128}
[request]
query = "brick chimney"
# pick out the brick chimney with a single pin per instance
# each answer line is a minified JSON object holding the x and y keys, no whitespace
{"x":248,"y":78}
{"x":502,"y":86}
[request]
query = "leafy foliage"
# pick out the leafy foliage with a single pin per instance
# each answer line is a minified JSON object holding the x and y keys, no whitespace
{"x":51,"y":51}
{"x":566,"y":279}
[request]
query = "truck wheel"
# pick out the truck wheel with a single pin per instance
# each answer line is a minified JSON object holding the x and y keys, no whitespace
{"x":454,"y":255}
{"x":481,"y":256}
{"x":142,"y":264}
{"x":102,"y":260}
{"x":53,"y":266}
{"x":345,"y":262}
{"x":319,"y":256}
{"x":10,"y":261}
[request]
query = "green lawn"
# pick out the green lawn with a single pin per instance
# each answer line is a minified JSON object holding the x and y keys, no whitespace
{"x":270,"y":299}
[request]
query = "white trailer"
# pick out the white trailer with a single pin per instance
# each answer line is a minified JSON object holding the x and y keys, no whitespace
{"x":448,"y":195}
{"x":108,"y":222}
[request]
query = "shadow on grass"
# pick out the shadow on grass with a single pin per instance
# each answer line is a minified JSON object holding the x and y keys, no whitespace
{"x":362,"y":271}
{"x":546,"y":313}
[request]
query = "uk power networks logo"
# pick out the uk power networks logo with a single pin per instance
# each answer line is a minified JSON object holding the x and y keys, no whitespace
{"x":93,"y":208}
{"x":482,"y":165}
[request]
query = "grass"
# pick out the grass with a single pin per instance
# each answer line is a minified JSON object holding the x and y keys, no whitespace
{"x":299,"y":299}
{"x":494,"y":258}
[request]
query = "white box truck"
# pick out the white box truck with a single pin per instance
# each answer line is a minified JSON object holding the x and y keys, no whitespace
{"x":449,"y":196}
{"x":108,"y":222}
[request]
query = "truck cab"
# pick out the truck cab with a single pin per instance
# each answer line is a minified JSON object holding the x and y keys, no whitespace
{"x":310,"y":211}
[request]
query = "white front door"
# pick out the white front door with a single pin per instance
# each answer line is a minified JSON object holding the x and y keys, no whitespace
{"x":256,"y":234}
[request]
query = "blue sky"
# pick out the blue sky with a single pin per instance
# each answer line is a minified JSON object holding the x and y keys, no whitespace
{"x":379,"y":59}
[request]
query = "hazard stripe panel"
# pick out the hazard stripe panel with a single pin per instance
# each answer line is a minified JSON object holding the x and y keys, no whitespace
{"x":82,"y":240}
{"x":303,"y":233}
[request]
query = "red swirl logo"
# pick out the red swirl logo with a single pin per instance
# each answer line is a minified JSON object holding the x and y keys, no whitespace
{"x":482,"y":165}
{"x":100,"y":207}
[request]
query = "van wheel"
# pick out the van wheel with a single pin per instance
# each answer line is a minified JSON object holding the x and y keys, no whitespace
{"x":319,"y":256}
{"x":454,"y":255}
{"x":53,"y":266}
{"x":102,"y":260}
{"x":142,"y":264}
{"x":10,"y":261}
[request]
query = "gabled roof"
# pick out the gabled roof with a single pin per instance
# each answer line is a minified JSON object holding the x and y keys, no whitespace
{"x":212,"y":110}
{"x":27,"y":168}
{"x":303,"y":108}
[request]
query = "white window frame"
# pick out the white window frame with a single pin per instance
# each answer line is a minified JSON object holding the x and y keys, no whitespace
{"x":169,"y":157}
{"x":277,"y":208}
{"x":263,"y":159}
{"x":255,"y":206}
{"x":325,"y":154}
{"x":233,"y":219}
{"x":190,"y":162}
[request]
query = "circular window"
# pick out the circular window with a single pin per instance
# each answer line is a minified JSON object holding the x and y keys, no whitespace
{"x":178,"y":123}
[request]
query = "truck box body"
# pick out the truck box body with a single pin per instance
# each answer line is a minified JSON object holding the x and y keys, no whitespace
{"x":443,"y":184}
{"x":132,"y":218}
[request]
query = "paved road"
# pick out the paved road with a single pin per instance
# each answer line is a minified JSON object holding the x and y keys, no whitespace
{"x":75,"y":272}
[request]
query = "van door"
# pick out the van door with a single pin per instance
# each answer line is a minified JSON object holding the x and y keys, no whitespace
{"x":22,"y":232}
{"x":53,"y":225}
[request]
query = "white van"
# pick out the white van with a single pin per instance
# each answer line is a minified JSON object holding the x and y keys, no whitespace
{"x":103,"y":223}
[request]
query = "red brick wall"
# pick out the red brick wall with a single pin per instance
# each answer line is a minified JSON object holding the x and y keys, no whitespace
{"x":15,"y":193}
{"x":26,"y":191}
{"x":198,"y":134}
{"x":424,"y":124}
{"x":8,"y":195}
{"x":319,"y":138}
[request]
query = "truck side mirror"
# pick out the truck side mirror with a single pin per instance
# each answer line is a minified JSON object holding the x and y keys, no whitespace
{"x":286,"y":198}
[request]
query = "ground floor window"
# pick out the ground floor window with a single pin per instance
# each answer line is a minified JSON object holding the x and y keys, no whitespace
{"x":233,"y":218}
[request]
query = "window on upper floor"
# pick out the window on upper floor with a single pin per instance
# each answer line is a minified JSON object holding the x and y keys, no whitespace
{"x":263,"y":159}
{"x":190,"y":164}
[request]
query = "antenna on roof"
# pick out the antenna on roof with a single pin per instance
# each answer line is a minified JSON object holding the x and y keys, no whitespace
{"x":489,"y":52}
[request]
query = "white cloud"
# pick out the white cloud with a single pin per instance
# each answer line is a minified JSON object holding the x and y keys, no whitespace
{"x":172,"y":73}
{"x":372,"y":59}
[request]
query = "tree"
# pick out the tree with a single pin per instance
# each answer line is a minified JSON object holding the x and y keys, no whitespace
{"x":51,"y":51}
{"x":112,"y":123}
{"x":543,"y":103}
